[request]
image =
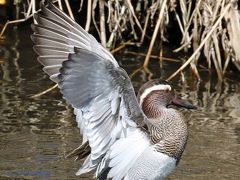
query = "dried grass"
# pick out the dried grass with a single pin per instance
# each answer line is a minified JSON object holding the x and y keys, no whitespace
{"x":208,"y":28}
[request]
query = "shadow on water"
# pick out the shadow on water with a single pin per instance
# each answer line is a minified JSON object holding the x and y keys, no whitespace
{"x":35,"y":134}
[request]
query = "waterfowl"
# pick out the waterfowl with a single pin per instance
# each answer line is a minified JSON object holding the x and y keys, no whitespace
{"x":124,"y":136}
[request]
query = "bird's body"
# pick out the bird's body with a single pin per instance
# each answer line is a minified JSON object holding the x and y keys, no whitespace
{"x":124,"y":136}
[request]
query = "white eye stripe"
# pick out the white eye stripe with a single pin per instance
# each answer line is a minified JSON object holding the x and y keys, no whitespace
{"x":147,"y":91}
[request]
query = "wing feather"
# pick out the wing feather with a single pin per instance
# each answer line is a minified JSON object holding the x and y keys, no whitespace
{"x":91,"y":80}
{"x":124,"y":153}
{"x":51,"y":60}
{"x":47,"y":41}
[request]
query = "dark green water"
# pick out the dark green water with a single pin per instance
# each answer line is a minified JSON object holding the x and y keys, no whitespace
{"x":35,"y":134}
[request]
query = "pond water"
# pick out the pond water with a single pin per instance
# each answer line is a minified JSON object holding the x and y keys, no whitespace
{"x":36,"y":134}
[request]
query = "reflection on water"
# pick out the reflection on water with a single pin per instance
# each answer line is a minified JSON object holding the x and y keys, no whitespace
{"x":35,"y":134}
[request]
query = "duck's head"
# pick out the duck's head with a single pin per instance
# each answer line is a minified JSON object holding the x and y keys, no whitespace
{"x":161,"y":93}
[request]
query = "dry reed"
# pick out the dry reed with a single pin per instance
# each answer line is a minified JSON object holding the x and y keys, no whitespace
{"x":207,"y":28}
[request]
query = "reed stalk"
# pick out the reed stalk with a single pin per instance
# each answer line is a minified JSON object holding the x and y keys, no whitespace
{"x":89,"y":13}
{"x":102,"y":23}
{"x":44,"y":92}
{"x":159,"y":21}
{"x":202,"y":43}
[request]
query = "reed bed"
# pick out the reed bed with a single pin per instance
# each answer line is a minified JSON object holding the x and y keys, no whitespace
{"x":209,"y":29}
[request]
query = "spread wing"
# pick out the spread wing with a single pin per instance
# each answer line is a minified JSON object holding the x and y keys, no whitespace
{"x":56,"y":35}
{"x":90,"y":80}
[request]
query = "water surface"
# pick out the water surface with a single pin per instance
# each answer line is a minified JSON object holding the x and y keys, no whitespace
{"x":35,"y":134}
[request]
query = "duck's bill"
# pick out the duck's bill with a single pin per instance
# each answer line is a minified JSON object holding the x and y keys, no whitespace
{"x":177,"y":101}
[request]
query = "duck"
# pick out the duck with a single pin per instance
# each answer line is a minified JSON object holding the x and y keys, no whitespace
{"x":124,"y":136}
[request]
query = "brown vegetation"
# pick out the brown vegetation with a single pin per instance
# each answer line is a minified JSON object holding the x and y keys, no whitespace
{"x":207,"y":28}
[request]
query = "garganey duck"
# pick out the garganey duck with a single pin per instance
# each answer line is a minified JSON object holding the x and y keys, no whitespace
{"x":124,"y":136}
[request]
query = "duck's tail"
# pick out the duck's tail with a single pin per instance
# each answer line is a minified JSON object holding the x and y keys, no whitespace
{"x":80,"y":152}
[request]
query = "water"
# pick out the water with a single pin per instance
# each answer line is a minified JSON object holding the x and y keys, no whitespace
{"x":35,"y":134}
